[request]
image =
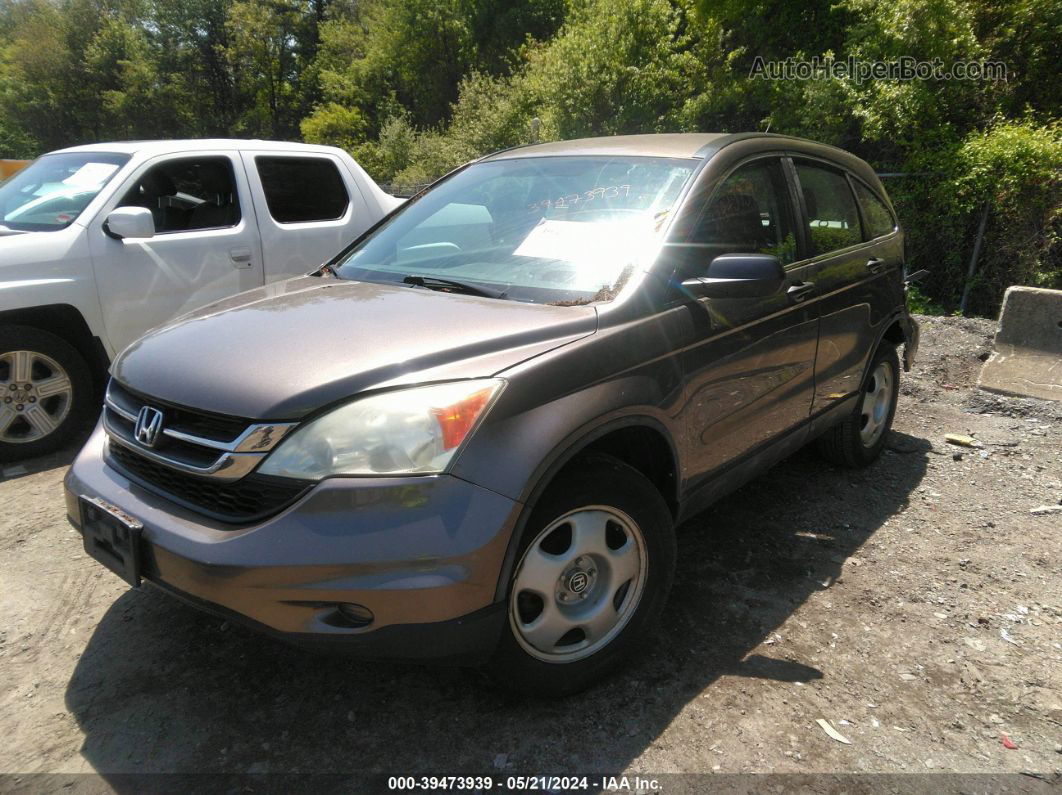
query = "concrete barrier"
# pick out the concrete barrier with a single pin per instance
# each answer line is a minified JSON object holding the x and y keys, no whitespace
{"x":1027,"y":355}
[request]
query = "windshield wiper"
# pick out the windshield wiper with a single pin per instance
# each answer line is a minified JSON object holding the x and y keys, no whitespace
{"x":436,"y":283}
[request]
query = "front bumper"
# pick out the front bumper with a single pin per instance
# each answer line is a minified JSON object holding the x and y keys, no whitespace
{"x":423,"y":554}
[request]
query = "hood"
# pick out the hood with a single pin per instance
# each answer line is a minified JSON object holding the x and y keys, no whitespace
{"x":282,"y":351}
{"x":16,"y":245}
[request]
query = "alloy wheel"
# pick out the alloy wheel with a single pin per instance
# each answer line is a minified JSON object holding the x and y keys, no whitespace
{"x":36,"y":395}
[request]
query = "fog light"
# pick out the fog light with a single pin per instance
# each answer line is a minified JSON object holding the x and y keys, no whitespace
{"x":355,"y":615}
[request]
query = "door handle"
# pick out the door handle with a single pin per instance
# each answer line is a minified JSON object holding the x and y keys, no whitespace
{"x":875,"y":265}
{"x":799,"y":291}
{"x":241,"y":257}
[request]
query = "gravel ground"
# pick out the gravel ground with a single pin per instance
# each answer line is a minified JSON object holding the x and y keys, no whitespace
{"x":915,"y":605}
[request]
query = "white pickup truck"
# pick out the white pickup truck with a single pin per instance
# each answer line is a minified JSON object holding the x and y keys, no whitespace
{"x":100,"y":243}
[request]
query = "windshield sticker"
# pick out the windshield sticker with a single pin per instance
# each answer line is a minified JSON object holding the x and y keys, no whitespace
{"x":610,"y":243}
{"x":90,"y":175}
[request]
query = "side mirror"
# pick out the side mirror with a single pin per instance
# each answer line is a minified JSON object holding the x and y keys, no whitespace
{"x":739,"y":276}
{"x":123,"y":222}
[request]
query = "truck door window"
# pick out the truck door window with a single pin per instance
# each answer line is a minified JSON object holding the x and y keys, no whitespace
{"x":302,"y":189}
{"x":188,"y":194}
{"x":832,"y":217}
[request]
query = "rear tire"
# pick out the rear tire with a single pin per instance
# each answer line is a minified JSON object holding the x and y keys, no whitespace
{"x":592,"y":574}
{"x":858,"y":441}
{"x":47,"y":396}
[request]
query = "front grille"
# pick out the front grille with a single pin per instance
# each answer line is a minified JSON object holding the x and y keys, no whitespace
{"x":174,"y":449}
{"x":219,"y":427}
{"x":200,"y":460}
{"x":248,"y":499}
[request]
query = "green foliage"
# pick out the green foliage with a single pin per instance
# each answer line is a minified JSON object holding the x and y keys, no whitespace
{"x":1025,"y":35}
{"x":334,"y":125}
{"x":16,"y":144}
{"x":921,"y":304}
{"x":74,"y":71}
{"x":1017,"y":168}
{"x":1014,"y":167}
{"x":41,"y":95}
{"x":270,"y":49}
{"x":618,"y":68}
{"x":939,"y":238}
{"x":500,"y":27}
{"x":903,"y":118}
{"x":1013,"y":164}
{"x":613,"y":68}
{"x":410,"y":58}
{"x":392,"y":152}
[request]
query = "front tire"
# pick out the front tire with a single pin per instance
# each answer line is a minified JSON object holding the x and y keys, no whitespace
{"x":46,"y":393}
{"x":592,"y":575}
{"x":858,"y":441}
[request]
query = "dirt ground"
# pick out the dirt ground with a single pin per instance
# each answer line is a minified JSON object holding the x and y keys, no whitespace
{"x":916,"y":606}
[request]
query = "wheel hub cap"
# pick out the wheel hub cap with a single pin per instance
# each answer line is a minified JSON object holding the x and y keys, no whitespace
{"x":578,"y":581}
{"x":578,"y":584}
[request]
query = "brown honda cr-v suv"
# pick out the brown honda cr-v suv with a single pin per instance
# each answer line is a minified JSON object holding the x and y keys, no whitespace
{"x":471,"y":434}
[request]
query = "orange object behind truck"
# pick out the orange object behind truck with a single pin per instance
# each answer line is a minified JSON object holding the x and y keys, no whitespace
{"x":9,"y":167}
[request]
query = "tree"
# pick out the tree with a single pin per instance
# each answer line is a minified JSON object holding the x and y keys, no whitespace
{"x":190,"y":39}
{"x":270,"y":60}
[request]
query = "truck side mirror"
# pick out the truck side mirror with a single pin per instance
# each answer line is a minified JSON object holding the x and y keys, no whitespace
{"x":133,"y":222}
{"x":739,"y":276}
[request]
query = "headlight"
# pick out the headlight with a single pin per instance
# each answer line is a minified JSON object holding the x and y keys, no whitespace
{"x":404,"y":432}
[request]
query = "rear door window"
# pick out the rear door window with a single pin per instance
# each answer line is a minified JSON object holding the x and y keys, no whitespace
{"x":832,"y":217}
{"x":302,"y":189}
{"x":878,"y":217}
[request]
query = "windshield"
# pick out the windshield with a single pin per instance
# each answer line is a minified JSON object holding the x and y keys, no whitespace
{"x":52,"y":191}
{"x":556,"y":229}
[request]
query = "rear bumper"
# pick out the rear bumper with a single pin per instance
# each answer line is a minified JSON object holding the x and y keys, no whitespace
{"x":423,"y":554}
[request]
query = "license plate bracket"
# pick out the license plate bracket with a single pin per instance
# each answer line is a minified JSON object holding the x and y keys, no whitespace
{"x":112,"y":537}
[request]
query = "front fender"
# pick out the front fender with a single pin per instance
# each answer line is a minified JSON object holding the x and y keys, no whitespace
{"x":558,"y":405}
{"x":524,"y":439}
{"x":50,"y":269}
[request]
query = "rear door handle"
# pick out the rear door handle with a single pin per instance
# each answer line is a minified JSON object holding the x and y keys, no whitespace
{"x":875,"y":265}
{"x":799,"y":291}
{"x":241,"y":257}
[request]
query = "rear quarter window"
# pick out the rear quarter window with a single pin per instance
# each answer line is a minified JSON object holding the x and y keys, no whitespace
{"x":302,"y":189}
{"x":879,"y":218}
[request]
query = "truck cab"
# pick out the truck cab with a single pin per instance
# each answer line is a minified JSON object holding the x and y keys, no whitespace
{"x":100,"y":243}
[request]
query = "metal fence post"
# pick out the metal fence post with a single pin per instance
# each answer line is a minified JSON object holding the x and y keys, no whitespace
{"x":972,"y":270}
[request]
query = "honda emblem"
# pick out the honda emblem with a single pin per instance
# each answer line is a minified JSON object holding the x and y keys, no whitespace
{"x":148,"y":426}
